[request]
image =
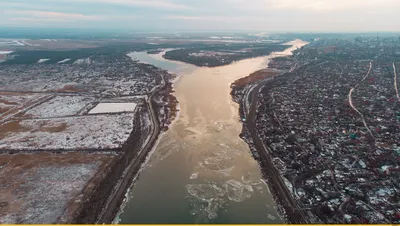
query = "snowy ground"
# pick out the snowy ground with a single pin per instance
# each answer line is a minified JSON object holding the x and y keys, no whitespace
{"x":42,"y":60}
{"x":63,"y":61}
{"x":71,"y":133}
{"x":5,"y":52}
{"x":44,"y":186}
{"x":61,"y":106}
{"x":113,"y":108}
{"x":18,"y":98}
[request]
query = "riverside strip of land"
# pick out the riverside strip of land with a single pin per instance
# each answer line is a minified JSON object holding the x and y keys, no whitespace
{"x":72,"y":134}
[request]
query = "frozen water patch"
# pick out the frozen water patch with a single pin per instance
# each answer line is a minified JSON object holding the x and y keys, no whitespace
{"x":194,"y":176}
{"x":205,"y":192}
{"x":209,"y":194}
{"x":42,"y":60}
{"x":113,"y":108}
{"x":227,"y":171}
{"x":237,"y":191}
{"x":271,"y":217}
{"x":252,"y":179}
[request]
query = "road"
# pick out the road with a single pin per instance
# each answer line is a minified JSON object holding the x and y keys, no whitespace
{"x":395,"y":81}
{"x":114,"y":200}
{"x":351,"y":100}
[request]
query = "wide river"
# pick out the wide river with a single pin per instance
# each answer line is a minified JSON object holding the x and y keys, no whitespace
{"x":201,"y":171}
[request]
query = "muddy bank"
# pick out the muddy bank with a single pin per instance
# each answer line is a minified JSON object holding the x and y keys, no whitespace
{"x":165,"y":103}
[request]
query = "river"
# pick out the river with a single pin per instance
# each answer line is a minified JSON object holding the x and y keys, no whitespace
{"x":201,"y":171}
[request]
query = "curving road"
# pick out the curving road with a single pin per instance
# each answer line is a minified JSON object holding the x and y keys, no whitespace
{"x":351,"y":100}
{"x":395,"y":81}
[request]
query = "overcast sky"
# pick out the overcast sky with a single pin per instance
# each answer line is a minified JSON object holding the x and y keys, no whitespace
{"x":267,"y":15}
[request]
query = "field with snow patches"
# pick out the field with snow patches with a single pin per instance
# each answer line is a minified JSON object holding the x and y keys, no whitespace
{"x":113,"y":108}
{"x":44,"y":186}
{"x":60,"y":106}
{"x":72,"y":133}
{"x":17,"y":99}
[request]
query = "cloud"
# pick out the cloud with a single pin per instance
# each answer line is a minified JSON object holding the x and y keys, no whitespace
{"x":313,"y":5}
{"x":48,"y":15}
{"x":318,"y":5}
{"x":162,"y":4}
{"x":30,"y":20}
{"x":200,"y":18}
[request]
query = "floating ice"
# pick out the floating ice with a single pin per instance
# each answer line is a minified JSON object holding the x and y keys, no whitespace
{"x":238,"y":191}
{"x":205,"y":192}
{"x":271,"y":217}
{"x":194,"y":176}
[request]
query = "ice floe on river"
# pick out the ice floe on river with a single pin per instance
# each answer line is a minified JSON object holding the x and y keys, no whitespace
{"x":214,"y":196}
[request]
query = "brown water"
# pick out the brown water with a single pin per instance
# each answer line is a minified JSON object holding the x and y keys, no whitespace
{"x":201,"y":171}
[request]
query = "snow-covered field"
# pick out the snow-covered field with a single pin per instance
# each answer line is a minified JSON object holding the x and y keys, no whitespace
{"x":72,"y":133}
{"x":18,"y":99}
{"x":113,"y":108}
{"x":60,"y":106}
{"x":39,"y":188}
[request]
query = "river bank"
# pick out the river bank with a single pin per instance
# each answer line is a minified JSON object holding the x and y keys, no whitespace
{"x":244,"y":92}
{"x":156,"y":115}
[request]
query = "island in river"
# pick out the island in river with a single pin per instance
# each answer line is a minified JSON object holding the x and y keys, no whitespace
{"x":222,"y":54}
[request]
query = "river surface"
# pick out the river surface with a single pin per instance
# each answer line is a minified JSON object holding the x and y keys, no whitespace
{"x":201,"y":171}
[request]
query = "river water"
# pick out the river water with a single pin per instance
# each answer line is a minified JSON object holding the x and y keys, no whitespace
{"x":201,"y":171}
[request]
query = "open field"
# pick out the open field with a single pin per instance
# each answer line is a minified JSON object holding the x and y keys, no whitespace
{"x":72,"y":133}
{"x":45,"y":187}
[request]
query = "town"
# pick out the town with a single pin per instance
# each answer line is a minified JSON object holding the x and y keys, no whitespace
{"x":330,"y":124}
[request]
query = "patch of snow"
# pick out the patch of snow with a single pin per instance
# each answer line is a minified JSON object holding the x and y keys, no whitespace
{"x":5,"y":52}
{"x":83,"y":61}
{"x":42,"y":61}
{"x":113,"y":108}
{"x":60,"y":106}
{"x":71,"y":133}
{"x":19,"y":43}
{"x":63,"y":61}
{"x":47,"y":192}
